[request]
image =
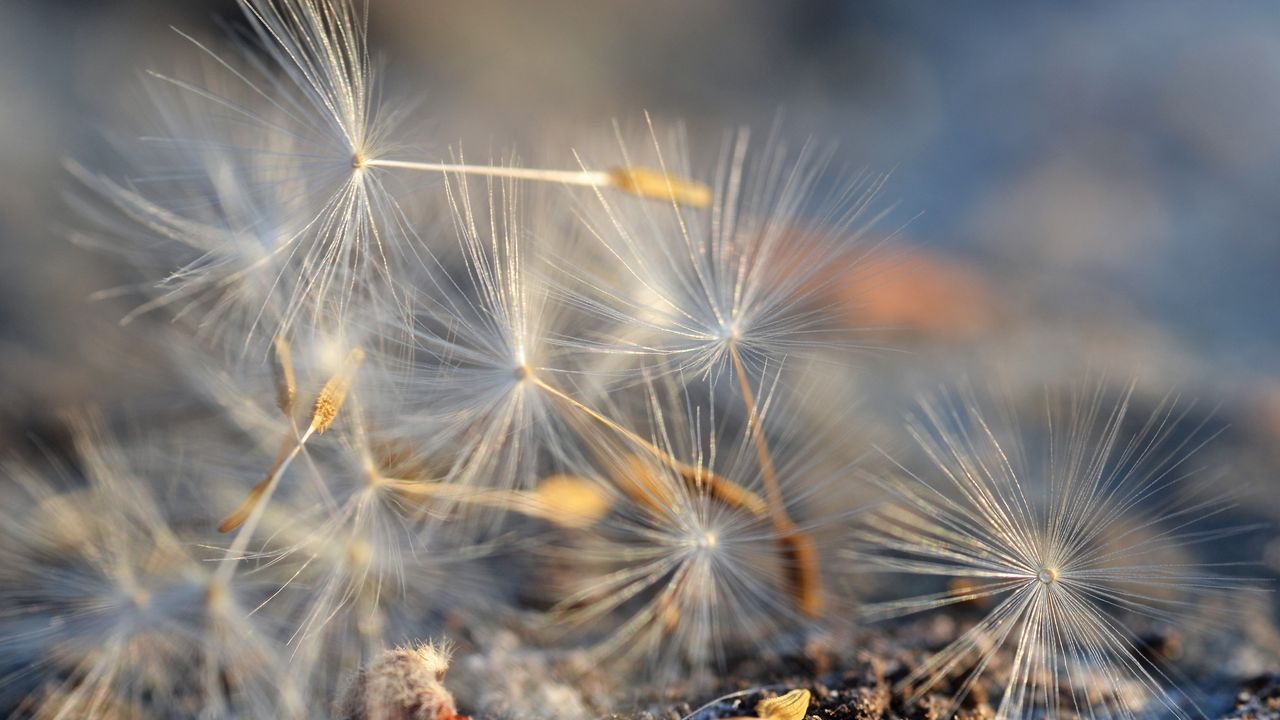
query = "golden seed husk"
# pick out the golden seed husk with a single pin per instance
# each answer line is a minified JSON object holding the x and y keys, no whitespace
{"x":334,"y":393}
{"x":650,"y":183}
{"x":286,"y":380}
{"x":572,"y":501}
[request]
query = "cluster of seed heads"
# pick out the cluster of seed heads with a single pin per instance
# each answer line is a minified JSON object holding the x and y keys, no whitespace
{"x":439,"y":390}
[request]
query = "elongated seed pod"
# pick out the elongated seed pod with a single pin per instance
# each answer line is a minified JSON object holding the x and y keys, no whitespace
{"x":658,"y":185}
{"x":334,"y":393}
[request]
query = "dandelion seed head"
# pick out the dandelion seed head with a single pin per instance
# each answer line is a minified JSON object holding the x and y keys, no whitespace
{"x":692,"y":566}
{"x":256,"y":187}
{"x":362,"y":558}
{"x":1068,"y":534}
{"x":123,"y":611}
{"x":487,"y":369}
{"x":686,"y":289}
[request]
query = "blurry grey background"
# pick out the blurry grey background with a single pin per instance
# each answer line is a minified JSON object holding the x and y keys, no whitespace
{"x":1096,"y":161}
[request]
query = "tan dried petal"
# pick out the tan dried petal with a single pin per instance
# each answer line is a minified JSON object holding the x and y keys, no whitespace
{"x":791,"y":706}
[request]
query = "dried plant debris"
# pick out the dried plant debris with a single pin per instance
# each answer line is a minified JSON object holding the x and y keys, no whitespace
{"x":1257,"y":699}
{"x":860,"y":692}
{"x":402,"y":684}
{"x":867,"y":683}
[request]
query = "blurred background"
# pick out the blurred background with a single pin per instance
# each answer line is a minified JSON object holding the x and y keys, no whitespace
{"x":1083,"y":181}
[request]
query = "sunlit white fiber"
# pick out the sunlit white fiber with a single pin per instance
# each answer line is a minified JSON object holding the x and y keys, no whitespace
{"x":689,"y":289}
{"x":490,"y":378}
{"x":1069,"y":535}
{"x":691,"y":566}
{"x":255,"y":186}
{"x":107,"y":606}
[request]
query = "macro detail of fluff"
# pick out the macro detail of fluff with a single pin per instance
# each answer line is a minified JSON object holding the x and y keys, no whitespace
{"x":583,"y":421}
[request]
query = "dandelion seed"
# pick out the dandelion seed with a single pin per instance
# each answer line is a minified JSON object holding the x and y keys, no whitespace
{"x":358,"y":546}
{"x":371,"y":574}
{"x":334,"y":393}
{"x":267,"y":182}
{"x":1070,"y":544}
{"x":107,"y":608}
{"x":286,"y":377}
{"x":687,"y":574}
{"x":489,"y":380}
{"x":324,"y":412}
{"x":360,"y":567}
{"x":733,"y":291}
{"x":689,"y":289}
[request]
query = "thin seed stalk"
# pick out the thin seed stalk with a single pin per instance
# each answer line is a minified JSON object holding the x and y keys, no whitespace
{"x":722,"y":488}
{"x":770,"y":477}
{"x":638,"y":181}
{"x":800,"y":555}
{"x":323,"y":413}
{"x":529,"y":503}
